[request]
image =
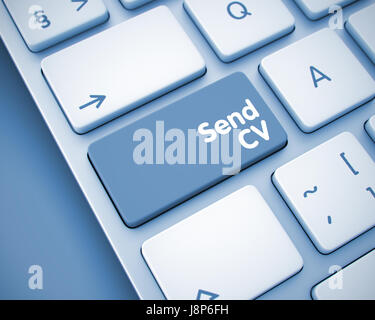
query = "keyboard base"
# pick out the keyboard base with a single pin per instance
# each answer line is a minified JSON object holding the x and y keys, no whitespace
{"x":74,"y":147}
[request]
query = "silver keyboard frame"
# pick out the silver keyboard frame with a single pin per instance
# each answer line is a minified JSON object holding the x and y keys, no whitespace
{"x":127,"y":242}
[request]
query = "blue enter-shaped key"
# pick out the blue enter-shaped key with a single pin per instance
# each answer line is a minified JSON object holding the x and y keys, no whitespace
{"x":171,"y":155}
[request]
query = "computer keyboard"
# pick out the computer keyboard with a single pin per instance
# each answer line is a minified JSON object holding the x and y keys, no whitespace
{"x":149,"y":160}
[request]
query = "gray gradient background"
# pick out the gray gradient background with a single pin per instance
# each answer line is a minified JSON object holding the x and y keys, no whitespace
{"x":44,"y":217}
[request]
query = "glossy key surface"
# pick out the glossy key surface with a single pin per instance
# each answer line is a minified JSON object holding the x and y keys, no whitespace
{"x":331,"y":190}
{"x":234,"y":28}
{"x":161,"y":160}
{"x":316,"y":9}
{"x":361,"y":25}
{"x":354,"y":282}
{"x":122,"y":68}
{"x":232,"y":249}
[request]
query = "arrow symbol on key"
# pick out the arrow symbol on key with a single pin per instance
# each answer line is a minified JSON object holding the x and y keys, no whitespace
{"x":83,"y":3}
{"x":369,"y":189}
{"x":97,"y":99}
{"x":206,"y":295}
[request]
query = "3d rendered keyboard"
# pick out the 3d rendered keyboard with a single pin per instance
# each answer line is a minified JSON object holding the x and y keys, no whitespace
{"x":226,"y":147}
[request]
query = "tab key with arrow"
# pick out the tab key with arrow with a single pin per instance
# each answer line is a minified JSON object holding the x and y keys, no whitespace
{"x":97,"y":99}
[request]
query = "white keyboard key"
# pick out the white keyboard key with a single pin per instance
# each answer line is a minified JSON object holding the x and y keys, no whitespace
{"x":370,"y":127}
{"x":331,"y":190}
{"x":232,"y":249}
{"x":361,"y":26}
{"x":44,"y":23}
{"x":354,"y":282}
{"x":133,"y":4}
{"x":122,"y":68}
{"x":316,"y":9}
{"x":316,"y":86}
{"x":226,"y":24}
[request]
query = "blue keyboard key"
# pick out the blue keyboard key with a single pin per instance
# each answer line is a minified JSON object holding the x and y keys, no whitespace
{"x":159,"y":161}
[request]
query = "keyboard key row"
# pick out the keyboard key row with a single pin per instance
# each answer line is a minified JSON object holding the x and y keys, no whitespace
{"x":44,"y":23}
{"x":121,"y":68}
{"x":331,"y":191}
{"x":313,"y":84}
{"x":333,"y":86}
{"x":229,"y":26}
{"x":233,"y":249}
{"x":185,"y":148}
